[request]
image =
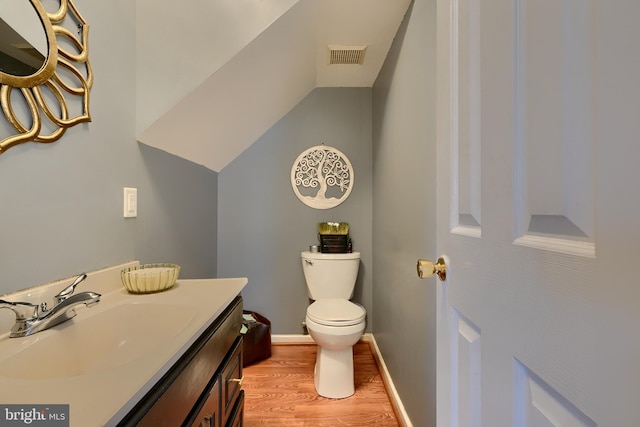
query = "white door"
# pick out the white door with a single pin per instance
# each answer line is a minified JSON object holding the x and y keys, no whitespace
{"x":539,"y":213}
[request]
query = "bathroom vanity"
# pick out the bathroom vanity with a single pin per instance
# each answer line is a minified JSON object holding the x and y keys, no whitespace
{"x":172,"y":358}
{"x":203,"y":389}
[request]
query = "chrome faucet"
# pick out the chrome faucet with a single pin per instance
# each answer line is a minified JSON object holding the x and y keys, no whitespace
{"x":32,"y":318}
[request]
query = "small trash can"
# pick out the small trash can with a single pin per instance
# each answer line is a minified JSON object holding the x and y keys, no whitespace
{"x":256,"y":331}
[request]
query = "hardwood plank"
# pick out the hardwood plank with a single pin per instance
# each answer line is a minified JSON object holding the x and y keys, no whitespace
{"x":279,"y":391}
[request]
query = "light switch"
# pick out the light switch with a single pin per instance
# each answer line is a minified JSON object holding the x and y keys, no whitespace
{"x":130,"y":202}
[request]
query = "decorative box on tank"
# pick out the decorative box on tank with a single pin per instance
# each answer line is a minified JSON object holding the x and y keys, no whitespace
{"x":334,"y":237}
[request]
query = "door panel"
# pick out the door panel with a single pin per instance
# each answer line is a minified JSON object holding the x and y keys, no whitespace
{"x":538,"y":318}
{"x":467,"y":370}
{"x":536,"y":403}
{"x":553,"y":141}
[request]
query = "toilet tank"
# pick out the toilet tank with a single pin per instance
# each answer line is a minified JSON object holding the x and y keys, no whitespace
{"x":330,"y":275}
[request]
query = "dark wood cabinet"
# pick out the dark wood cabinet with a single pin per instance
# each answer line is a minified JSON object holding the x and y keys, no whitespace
{"x":225,"y":394}
{"x":204,"y":387}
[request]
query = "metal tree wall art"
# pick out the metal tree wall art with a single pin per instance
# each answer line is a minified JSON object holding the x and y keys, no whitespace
{"x":322,"y":177}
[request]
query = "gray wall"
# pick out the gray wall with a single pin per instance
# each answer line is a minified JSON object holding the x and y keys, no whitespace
{"x":404,"y":212}
{"x":62,"y":202}
{"x":178,"y":213}
{"x":263,"y":227}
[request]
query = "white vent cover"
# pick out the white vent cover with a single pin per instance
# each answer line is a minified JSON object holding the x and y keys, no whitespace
{"x":350,"y":55}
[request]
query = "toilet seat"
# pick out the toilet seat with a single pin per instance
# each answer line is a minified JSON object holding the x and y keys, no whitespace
{"x":336,"y":312}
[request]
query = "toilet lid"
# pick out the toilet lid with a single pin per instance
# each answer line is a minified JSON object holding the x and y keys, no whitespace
{"x":336,"y":312}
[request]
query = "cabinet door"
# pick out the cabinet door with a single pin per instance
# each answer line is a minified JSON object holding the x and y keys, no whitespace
{"x":237,"y":416}
{"x":209,"y":415}
{"x":231,"y":381}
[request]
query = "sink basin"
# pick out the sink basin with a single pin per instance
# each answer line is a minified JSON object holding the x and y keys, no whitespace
{"x":100,"y":341}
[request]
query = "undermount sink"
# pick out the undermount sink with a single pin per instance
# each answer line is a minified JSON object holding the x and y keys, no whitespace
{"x":102,"y":340}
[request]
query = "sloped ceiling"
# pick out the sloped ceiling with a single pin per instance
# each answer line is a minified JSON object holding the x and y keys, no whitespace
{"x":213,"y":76}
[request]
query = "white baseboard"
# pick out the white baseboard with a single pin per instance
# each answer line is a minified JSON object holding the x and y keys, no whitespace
{"x":291,"y":339}
{"x":388,"y":382}
{"x":386,"y":378}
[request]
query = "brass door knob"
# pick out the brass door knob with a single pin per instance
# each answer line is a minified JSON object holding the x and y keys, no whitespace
{"x":428,"y":269}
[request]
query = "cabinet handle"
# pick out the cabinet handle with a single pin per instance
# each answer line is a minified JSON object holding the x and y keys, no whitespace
{"x":237,"y":380}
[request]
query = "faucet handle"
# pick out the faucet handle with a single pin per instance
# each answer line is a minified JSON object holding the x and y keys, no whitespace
{"x":68,"y":291}
{"x":23,"y":310}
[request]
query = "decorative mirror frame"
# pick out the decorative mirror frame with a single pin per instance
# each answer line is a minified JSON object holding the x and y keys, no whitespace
{"x":59,"y":64}
{"x":322,"y":167}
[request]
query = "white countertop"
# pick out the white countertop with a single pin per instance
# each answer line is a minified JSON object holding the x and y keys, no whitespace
{"x":104,"y":397}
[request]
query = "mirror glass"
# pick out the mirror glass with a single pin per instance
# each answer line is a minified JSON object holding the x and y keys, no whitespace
{"x":23,"y":40}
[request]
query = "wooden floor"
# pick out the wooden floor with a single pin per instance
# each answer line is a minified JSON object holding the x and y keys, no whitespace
{"x":279,"y":391}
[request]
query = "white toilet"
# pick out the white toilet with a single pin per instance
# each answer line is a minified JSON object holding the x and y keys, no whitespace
{"x":334,"y":322}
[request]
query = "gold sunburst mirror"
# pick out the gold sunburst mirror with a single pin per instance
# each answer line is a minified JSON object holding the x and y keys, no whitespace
{"x":45,"y":73}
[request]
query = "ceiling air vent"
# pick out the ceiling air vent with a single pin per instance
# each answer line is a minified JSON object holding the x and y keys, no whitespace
{"x":353,"y":55}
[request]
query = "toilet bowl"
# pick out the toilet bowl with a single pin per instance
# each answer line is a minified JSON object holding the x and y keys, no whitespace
{"x":334,"y":322}
{"x":335,"y":325}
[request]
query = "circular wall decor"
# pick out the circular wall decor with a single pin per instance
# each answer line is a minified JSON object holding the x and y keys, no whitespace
{"x":322,"y":177}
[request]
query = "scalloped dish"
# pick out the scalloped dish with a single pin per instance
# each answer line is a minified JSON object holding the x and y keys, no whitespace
{"x":150,"y":278}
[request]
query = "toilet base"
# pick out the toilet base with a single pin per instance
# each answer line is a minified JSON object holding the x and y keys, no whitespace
{"x":333,"y":374}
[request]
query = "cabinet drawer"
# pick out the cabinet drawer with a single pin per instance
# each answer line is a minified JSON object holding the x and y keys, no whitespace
{"x":231,"y":380}
{"x":209,"y":415}
{"x":237,"y":415}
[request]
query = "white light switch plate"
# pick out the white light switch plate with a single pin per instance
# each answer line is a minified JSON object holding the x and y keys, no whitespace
{"x":130,"y":202}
